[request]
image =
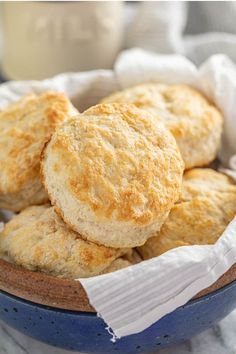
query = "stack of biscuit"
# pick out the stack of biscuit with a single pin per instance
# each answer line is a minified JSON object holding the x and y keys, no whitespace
{"x":98,"y":191}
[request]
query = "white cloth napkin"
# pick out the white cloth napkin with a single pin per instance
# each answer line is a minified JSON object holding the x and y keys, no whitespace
{"x":196,"y":29}
{"x":131,"y":299}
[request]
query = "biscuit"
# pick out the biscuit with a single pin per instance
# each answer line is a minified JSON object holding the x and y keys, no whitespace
{"x":25,"y":127}
{"x":195,"y":123}
{"x":113,"y":173}
{"x":206,"y":206}
{"x":123,"y":262}
{"x":133,"y":257}
{"x":38,"y":239}
{"x":117,"y":264}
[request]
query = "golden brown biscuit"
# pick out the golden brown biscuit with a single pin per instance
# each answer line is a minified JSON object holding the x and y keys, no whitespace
{"x":133,"y":257}
{"x":195,"y":123}
{"x":123,"y":262}
{"x":117,"y":264}
{"x":113,"y":174}
{"x":38,"y":239}
{"x":206,"y":207}
{"x":25,"y":127}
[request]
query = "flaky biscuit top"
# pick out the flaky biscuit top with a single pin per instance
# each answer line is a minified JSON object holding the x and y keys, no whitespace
{"x":121,"y":163}
{"x":25,"y":127}
{"x":38,"y":239}
{"x":206,"y":206}
{"x":190,"y":117}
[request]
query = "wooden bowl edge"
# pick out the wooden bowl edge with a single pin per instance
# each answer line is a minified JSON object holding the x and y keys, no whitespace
{"x":66,"y":294}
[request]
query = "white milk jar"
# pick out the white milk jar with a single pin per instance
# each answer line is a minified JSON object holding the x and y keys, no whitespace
{"x":42,"y":39}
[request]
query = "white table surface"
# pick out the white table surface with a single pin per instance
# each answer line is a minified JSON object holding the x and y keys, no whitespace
{"x":221,"y":339}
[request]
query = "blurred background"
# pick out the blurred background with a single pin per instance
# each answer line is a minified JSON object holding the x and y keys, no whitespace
{"x":41,"y":39}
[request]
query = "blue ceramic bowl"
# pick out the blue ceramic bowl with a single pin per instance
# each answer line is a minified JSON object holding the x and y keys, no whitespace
{"x":83,"y":331}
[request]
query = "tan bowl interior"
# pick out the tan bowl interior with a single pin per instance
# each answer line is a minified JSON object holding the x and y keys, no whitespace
{"x":62,"y":293}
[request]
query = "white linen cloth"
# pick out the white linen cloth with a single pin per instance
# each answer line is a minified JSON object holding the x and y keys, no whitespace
{"x":196,"y":29}
{"x":131,"y":299}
